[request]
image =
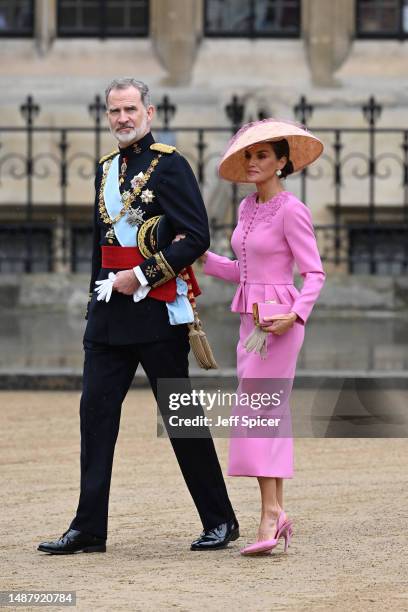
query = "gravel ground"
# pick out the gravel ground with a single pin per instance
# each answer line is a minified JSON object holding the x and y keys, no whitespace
{"x":348,"y":501}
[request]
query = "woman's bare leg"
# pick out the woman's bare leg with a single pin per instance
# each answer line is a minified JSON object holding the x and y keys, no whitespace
{"x":279,"y":491}
{"x":271,"y":500}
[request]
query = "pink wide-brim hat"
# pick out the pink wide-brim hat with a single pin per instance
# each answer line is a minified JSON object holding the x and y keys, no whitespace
{"x":304,"y":147}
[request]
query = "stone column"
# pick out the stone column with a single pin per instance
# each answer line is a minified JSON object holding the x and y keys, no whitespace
{"x":45,"y":24}
{"x":328,"y":30}
{"x":176,"y":30}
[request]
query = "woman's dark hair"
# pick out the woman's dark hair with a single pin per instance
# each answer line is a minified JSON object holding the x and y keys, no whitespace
{"x":281,"y":149}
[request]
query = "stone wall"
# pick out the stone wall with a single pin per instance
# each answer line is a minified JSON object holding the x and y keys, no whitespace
{"x":341,"y":293}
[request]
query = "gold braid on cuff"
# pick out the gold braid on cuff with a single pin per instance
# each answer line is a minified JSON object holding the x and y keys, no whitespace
{"x":165,"y":269}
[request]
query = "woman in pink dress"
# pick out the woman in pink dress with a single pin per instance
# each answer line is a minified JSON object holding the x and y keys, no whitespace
{"x":274,"y":232}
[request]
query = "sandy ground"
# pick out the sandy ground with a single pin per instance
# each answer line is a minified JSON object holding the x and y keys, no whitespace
{"x":348,"y":500}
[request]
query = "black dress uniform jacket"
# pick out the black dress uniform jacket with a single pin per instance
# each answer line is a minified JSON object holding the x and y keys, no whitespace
{"x":177,"y":196}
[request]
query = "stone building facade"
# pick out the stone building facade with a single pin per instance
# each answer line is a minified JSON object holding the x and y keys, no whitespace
{"x":200,"y":53}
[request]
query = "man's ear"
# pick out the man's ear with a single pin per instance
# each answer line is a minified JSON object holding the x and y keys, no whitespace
{"x":150,"y":112}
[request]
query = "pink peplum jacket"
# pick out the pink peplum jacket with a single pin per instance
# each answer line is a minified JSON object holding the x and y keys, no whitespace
{"x":269,"y":239}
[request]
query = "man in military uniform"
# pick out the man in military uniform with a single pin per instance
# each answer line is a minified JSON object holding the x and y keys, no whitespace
{"x":131,"y":297}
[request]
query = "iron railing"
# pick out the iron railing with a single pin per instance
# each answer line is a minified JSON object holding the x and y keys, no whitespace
{"x":358,"y":188}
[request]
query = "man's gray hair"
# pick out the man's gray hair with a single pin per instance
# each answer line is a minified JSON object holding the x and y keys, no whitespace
{"x":127,"y":82}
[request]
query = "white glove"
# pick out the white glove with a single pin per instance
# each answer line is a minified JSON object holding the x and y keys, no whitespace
{"x":141,"y":293}
{"x":105,"y":287}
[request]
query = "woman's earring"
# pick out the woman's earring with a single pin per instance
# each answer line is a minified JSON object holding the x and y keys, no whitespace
{"x":279,"y":172}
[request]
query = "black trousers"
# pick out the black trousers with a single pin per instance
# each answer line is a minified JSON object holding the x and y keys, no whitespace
{"x":108,"y":373}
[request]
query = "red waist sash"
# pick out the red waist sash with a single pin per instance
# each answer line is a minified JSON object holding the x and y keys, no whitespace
{"x":125,"y":258}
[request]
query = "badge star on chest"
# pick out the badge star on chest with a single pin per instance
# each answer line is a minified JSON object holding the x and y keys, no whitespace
{"x":135,"y":216}
{"x":136,"y":180}
{"x":147,"y":196}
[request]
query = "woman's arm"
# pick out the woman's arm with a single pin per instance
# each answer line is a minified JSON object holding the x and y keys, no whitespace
{"x":299,"y":233}
{"x":221,"y":267}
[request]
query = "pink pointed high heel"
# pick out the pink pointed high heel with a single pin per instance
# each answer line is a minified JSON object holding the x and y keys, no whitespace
{"x":284,"y":530}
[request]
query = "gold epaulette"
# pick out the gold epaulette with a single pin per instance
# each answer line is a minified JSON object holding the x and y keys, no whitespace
{"x":111,"y":154}
{"x":162,"y":148}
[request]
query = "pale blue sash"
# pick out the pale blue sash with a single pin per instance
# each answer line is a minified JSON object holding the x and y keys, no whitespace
{"x":125,"y":233}
{"x":180,"y":311}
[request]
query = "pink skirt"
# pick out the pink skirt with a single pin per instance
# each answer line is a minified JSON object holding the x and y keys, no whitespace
{"x":270,"y":455}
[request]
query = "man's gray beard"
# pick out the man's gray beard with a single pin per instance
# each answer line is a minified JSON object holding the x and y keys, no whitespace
{"x":133,"y":136}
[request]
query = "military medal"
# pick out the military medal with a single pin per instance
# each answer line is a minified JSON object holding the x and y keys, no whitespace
{"x":136,"y":179}
{"x":135,"y":216}
{"x":123,"y":169}
{"x":147,"y":196}
{"x":126,"y":195}
{"x":110,"y":235}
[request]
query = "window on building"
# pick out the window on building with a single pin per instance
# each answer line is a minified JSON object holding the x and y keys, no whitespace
{"x":14,"y":247}
{"x":379,"y":251}
{"x":16,"y":18}
{"x":103,"y":18}
{"x":252,"y":18}
{"x":382,"y":18}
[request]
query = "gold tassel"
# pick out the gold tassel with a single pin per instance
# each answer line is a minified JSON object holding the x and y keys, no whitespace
{"x":200,"y":345}
{"x":256,"y":342}
{"x":196,"y":335}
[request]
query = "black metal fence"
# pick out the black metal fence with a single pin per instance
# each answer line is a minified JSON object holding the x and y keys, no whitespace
{"x":358,"y":188}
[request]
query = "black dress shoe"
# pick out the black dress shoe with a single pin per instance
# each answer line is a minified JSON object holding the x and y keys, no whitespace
{"x":218,"y":537}
{"x":73,"y":541}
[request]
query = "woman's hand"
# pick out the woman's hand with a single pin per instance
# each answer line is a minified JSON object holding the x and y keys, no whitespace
{"x":178,"y":237}
{"x":281,"y":323}
{"x":203,"y":258}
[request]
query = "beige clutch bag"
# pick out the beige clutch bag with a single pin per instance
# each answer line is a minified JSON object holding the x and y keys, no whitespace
{"x":260,"y":310}
{"x":256,"y":341}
